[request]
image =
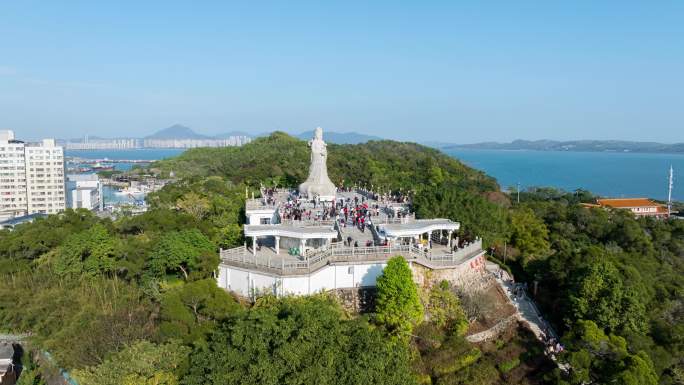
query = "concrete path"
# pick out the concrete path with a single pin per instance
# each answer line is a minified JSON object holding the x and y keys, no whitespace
{"x":13,"y":338}
{"x":527,"y":311}
{"x":356,"y":234}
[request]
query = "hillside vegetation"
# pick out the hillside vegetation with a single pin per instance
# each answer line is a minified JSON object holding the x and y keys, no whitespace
{"x":135,"y":300}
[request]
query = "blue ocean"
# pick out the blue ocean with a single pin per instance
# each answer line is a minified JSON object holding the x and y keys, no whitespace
{"x":604,"y":173}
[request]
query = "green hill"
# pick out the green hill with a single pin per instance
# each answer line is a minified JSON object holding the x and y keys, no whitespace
{"x":283,"y":159}
{"x":440,"y":185}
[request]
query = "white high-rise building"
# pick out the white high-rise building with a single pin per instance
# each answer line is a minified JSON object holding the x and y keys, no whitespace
{"x":31,"y":177}
{"x":13,"y":199}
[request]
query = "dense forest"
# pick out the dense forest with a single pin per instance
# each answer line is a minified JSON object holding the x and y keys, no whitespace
{"x":134,"y":300}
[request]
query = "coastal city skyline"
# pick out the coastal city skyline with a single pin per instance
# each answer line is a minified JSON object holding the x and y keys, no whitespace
{"x":449,"y":72}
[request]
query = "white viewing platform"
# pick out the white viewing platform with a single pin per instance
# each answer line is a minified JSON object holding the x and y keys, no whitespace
{"x":318,"y":252}
{"x":318,"y":238}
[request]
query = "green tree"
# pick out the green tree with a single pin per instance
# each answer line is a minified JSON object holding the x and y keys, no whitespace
{"x":444,"y":309}
{"x":599,"y":358}
{"x":89,"y":252}
{"x":193,"y":204}
{"x":183,"y":252}
{"x":142,"y":363}
{"x":397,"y":304}
{"x":529,"y":234}
{"x":190,"y":311}
{"x":478,"y":216}
{"x":601,"y":296}
{"x":230,"y":236}
{"x":298,"y":341}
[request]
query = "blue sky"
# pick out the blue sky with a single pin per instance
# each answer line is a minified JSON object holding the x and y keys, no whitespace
{"x":425,"y":70}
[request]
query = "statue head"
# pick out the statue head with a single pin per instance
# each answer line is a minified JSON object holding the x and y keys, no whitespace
{"x":318,"y":133}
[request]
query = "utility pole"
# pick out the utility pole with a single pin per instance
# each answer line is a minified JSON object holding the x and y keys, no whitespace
{"x":669,"y":191}
{"x":518,"y":192}
{"x":505,"y":248}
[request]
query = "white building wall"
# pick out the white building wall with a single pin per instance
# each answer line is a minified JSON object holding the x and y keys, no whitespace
{"x":366,"y":275}
{"x":83,"y":191}
{"x":296,"y":285}
{"x":238,"y":281}
{"x":329,"y":277}
{"x":45,"y":185}
{"x":322,"y":280}
{"x":344,"y":275}
{"x":31,"y":177}
{"x":223,"y":278}
{"x":255,"y":218}
{"x":262,"y":284}
{"x":13,"y":198}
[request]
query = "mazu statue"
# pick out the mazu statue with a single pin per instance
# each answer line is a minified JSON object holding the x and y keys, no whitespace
{"x":318,"y":185}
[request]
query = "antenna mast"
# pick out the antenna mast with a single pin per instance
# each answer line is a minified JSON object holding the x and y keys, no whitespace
{"x":669,"y":191}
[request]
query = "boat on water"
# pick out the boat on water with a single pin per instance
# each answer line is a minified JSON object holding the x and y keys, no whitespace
{"x":129,"y":191}
{"x":102,"y":167}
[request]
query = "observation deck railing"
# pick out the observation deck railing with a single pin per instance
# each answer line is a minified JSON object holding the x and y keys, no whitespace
{"x":308,"y":222}
{"x":314,"y":259}
{"x":410,"y":218}
{"x":337,"y":252}
{"x":260,"y":204}
{"x":455,"y":257}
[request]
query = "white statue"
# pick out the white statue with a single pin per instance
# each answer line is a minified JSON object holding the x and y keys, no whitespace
{"x":318,"y":184}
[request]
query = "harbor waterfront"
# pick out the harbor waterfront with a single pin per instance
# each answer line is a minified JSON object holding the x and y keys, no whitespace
{"x":110,"y":193}
{"x":136,"y":154}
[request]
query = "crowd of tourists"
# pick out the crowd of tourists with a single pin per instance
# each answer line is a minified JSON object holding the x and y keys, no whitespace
{"x":356,"y":212}
{"x":387,"y":197}
{"x":298,"y":209}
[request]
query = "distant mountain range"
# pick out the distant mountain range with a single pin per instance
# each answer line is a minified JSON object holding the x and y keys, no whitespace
{"x":573,"y":145}
{"x":178,"y":131}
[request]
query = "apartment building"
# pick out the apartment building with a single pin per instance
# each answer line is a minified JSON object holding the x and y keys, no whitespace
{"x":13,"y":199}
{"x":31,"y":177}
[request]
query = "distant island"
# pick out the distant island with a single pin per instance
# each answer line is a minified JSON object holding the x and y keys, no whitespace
{"x":573,"y":145}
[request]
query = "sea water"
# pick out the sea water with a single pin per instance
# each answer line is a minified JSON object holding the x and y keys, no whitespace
{"x":608,"y":174}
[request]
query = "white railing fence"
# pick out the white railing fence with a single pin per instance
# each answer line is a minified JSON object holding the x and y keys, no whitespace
{"x":337,"y":252}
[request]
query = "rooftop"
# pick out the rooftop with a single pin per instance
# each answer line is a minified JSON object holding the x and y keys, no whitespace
{"x":419,"y":226}
{"x":628,"y":202}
